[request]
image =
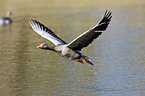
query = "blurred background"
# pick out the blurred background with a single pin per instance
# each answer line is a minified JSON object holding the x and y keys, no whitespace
{"x":118,"y":55}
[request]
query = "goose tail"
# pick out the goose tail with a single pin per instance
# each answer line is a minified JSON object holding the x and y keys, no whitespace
{"x":86,"y":59}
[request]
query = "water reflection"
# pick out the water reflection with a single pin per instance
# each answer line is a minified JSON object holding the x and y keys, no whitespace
{"x":118,"y":54}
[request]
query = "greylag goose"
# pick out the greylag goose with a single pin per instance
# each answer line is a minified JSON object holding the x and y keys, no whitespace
{"x":7,"y":19}
{"x":71,"y":50}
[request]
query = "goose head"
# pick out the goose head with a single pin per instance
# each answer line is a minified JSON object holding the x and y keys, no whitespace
{"x":9,"y":13}
{"x":45,"y":46}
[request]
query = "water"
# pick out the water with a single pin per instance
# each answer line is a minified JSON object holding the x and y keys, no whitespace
{"x":118,"y":55}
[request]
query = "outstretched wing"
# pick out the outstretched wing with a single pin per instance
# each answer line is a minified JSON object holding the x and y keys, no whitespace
{"x":87,"y":37}
{"x":46,"y":33}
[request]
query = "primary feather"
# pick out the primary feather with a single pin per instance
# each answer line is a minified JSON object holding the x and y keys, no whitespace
{"x":87,"y":37}
{"x":45,"y":32}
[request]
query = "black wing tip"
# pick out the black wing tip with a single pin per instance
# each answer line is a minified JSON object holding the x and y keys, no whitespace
{"x":108,"y":14}
{"x":37,"y":23}
{"x":34,"y":21}
{"x":31,"y":20}
{"x":42,"y":27}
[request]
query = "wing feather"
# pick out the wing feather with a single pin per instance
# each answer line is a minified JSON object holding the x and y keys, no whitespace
{"x":46,"y":33}
{"x":87,"y":37}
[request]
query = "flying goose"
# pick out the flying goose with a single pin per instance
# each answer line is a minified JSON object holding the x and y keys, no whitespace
{"x":71,"y":50}
{"x":6,"y":20}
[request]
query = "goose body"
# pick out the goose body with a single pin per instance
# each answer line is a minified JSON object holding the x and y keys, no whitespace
{"x":71,"y":50}
{"x":6,"y":20}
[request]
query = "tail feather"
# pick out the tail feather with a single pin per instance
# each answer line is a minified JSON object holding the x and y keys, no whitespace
{"x":87,"y":60}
